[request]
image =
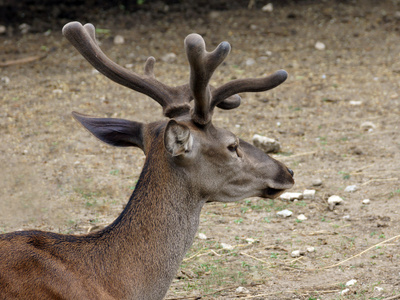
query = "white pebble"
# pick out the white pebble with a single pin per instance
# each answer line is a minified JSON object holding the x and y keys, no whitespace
{"x":346,"y":217}
{"x":251,"y":241}
{"x":366,"y":201}
{"x":268,"y":8}
{"x":368,"y":126}
{"x":169,"y":57}
{"x":344,"y":292}
{"x":319,"y":46}
{"x":301,"y":217}
{"x":335,"y":200}
{"x":284,"y":213}
{"x":317,"y":182}
{"x":355,"y":103}
{"x":5,"y":80}
{"x":310,"y":249}
{"x":202,"y":236}
{"x":3,"y":29}
{"x":250,"y":62}
{"x":309,"y":194}
{"x":24,"y":28}
{"x":288,"y":196}
{"x":242,"y":290}
{"x":378,"y":289}
{"x":295,"y":253}
{"x":58,"y":91}
{"x":266,"y":144}
{"x":351,"y":188}
{"x":119,"y":40}
{"x":351,"y":282}
{"x":253,"y":27}
{"x":227,"y":246}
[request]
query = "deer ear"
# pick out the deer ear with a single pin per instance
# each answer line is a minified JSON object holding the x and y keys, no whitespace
{"x":177,"y":138}
{"x":115,"y":132}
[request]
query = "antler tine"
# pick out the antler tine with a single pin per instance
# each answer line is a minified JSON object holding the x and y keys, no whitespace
{"x":246,"y":85}
{"x":202,"y":66}
{"x":83,"y":39}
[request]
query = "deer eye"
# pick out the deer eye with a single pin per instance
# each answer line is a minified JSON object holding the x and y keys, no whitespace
{"x":233,"y":147}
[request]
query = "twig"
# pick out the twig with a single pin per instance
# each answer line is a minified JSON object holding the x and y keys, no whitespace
{"x":392,"y":297}
{"x":201,"y":296}
{"x":24,"y":60}
{"x":290,"y":292}
{"x":260,"y":260}
{"x":379,"y":180}
{"x":359,"y":254}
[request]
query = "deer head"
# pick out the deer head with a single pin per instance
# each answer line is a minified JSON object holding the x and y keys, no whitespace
{"x":214,"y":163}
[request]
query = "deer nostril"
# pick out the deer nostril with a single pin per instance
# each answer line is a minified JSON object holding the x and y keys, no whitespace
{"x":291,"y":172}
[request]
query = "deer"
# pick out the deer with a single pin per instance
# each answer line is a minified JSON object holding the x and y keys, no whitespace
{"x":188,"y":163}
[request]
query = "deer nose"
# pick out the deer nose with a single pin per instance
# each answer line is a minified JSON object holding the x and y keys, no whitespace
{"x":291,"y":172}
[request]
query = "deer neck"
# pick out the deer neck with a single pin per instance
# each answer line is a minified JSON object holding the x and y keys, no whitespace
{"x":155,"y":230}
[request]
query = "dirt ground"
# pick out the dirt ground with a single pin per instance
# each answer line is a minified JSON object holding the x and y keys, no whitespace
{"x":57,"y":177}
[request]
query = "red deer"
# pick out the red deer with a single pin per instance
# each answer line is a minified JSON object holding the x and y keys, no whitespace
{"x":189,"y":162}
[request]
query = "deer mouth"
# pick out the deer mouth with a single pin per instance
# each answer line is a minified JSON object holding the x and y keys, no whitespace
{"x":271,"y":193}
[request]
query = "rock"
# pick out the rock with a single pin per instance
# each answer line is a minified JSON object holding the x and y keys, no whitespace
{"x":309,"y":194}
{"x":295,"y":253}
{"x":288,"y":196}
{"x":253,"y":27}
{"x":119,"y":40}
{"x":319,"y":46}
{"x":346,"y":217}
{"x":378,"y":289}
{"x":250,"y":62}
{"x":334,"y":200}
{"x":351,"y":282}
{"x":227,"y":246}
{"x":202,"y":236}
{"x":242,"y":290}
{"x":251,"y":241}
{"x":366,"y":201}
{"x":5,"y":80}
{"x":351,"y":188}
{"x":284,"y":213}
{"x":301,"y":217}
{"x":344,"y":292}
{"x":310,"y":249}
{"x":266,"y":144}
{"x":317,"y":182}
{"x":368,"y":126}
{"x":355,"y":103}
{"x":169,"y":57}
{"x":24,"y":28}
{"x":214,"y":14}
{"x":3,"y":29}
{"x":268,"y":8}
{"x":58,"y":91}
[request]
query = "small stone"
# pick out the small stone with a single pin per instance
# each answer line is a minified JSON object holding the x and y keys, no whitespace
{"x":317,"y":182}
{"x":319,"y":46}
{"x":366,"y":201}
{"x":24,"y":28}
{"x":227,"y":246}
{"x":3,"y":29}
{"x":251,"y":241}
{"x":268,"y":53}
{"x":169,"y":57}
{"x":119,"y":40}
{"x":309,"y":194}
{"x":253,"y":27}
{"x":266,"y":144}
{"x":346,"y":217}
{"x":344,"y":292}
{"x":334,"y":200}
{"x":250,"y":62}
{"x":301,"y":217}
{"x":129,"y":66}
{"x":351,"y":188}
{"x":355,"y":103}
{"x":397,"y":15}
{"x":5,"y":80}
{"x":214,"y":14}
{"x":202,"y":236}
{"x":351,"y":282}
{"x":268,"y":8}
{"x":368,"y":126}
{"x":284,"y":213}
{"x":310,"y":249}
{"x":288,"y":196}
{"x":295,"y":253}
{"x":58,"y":91}
{"x":242,"y":290}
{"x":378,"y":289}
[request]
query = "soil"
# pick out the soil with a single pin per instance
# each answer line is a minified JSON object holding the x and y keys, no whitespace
{"x":59,"y":178}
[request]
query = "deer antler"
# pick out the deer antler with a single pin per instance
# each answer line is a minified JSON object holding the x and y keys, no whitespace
{"x":174,"y":100}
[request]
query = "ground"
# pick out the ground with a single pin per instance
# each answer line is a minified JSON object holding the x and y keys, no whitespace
{"x":57,"y":177}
